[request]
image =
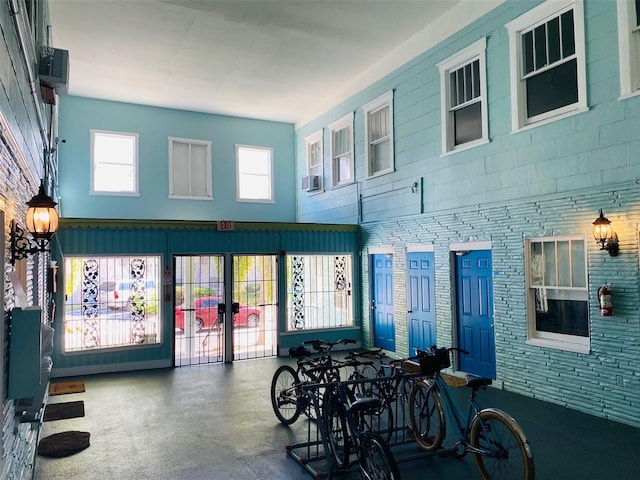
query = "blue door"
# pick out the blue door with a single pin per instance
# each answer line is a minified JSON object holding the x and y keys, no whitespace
{"x":384,"y":329}
{"x":475,"y":313}
{"x":421,"y":312}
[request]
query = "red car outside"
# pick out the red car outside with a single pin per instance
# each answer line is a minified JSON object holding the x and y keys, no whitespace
{"x":206,"y":314}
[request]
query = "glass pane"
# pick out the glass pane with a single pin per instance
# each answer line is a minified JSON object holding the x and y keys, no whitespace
{"x":254,"y":161}
{"x":113,"y":178}
{"x":578,"y":272}
{"x":527,"y":52}
{"x":552,"y":89}
{"x":344,"y":169}
{"x":255,"y":187}
{"x":453,"y":89}
{"x":564,"y":264}
{"x":553,"y":32}
{"x":568,"y":317}
{"x":540,"y":47}
{"x":378,"y":124}
{"x":199,"y":174}
{"x":568,"y":39}
{"x":468,"y":83}
{"x":180,"y":170}
{"x":460,"y":86}
{"x":381,"y":157}
{"x":638,"y":13}
{"x":549,"y":249}
{"x":536,"y":272}
{"x":468,"y":123}
{"x":476,"y":78}
{"x":114,"y":149}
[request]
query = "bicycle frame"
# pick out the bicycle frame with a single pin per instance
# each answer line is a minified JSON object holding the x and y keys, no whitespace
{"x":461,"y":423}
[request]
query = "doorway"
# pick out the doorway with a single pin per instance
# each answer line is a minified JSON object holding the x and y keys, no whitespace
{"x":421,"y":314}
{"x":474,"y":306}
{"x":382,"y":307}
{"x":211,"y":288}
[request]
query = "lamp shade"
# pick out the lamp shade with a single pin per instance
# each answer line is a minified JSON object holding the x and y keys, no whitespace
{"x":41,"y":218}
{"x":602,"y":229}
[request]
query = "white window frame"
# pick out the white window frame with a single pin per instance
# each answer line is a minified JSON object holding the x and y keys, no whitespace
{"x":475,"y":51}
{"x":206,"y":173}
{"x":134,"y":160}
{"x":269,"y":175}
{"x":345,"y":122}
{"x":629,"y":49}
{"x":526,"y":22}
{"x":573,"y":343}
{"x":310,"y":142}
{"x":379,"y":103}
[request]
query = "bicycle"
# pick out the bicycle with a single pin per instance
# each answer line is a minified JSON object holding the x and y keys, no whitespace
{"x":287,"y":398}
{"x":499,"y":446}
{"x":342,"y":430}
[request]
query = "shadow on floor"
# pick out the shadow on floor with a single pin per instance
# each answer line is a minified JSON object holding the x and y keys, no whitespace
{"x":216,"y":422}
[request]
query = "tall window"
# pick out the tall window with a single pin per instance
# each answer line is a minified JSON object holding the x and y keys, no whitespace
{"x":111,"y":302}
{"x":254,"y":174}
{"x":189,"y":168}
{"x":342,"y":171}
{"x":319,"y":292}
{"x":557,"y":295}
{"x":548,"y":75}
{"x":629,"y":45}
{"x":378,"y":127}
{"x":315,"y":156}
{"x":114,"y":163}
{"x":463,"y":98}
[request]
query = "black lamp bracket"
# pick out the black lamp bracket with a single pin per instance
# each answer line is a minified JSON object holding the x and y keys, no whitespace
{"x":22,"y":245}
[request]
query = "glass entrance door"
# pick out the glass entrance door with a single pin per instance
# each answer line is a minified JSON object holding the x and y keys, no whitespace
{"x":203,"y":302}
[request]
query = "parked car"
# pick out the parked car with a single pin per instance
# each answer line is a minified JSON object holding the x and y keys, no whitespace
{"x":117,"y":294}
{"x":206,"y":314}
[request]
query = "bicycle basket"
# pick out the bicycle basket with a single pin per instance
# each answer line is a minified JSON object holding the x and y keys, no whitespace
{"x":431,"y":364}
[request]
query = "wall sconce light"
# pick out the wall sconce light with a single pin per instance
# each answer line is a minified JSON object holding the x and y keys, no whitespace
{"x":41,"y":221}
{"x":604,"y":235}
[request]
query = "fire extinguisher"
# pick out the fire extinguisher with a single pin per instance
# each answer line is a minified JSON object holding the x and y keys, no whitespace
{"x":604,"y":300}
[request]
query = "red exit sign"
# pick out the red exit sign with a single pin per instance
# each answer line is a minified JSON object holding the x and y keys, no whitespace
{"x":225,"y":224}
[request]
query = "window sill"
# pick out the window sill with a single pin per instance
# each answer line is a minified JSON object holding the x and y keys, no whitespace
{"x":628,"y":95}
{"x":466,"y":146}
{"x":545,"y":121}
{"x":559,"y":345}
{"x":115,"y":194}
{"x":186,"y":197}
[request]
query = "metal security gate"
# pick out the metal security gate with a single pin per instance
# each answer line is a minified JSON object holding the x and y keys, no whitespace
{"x":207,"y":292}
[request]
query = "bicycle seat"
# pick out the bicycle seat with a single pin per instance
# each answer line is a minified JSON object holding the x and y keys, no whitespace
{"x":477,"y":382}
{"x":362,"y":404}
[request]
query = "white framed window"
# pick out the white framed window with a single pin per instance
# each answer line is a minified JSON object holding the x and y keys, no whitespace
{"x":254,"y":178}
{"x":319,"y":292}
{"x":342,"y":164}
{"x":463,"y":89}
{"x":114,"y":163}
{"x":547,"y":62}
{"x":190,"y":169}
{"x":111,"y":302}
{"x":629,"y":46}
{"x":557,"y":293}
{"x":378,"y":128}
{"x":315,"y":158}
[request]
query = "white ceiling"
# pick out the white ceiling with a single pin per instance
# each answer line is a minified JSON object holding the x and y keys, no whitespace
{"x":277,"y":60}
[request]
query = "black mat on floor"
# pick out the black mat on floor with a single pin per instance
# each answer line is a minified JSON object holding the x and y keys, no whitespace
{"x":60,"y":411}
{"x":63,"y":444}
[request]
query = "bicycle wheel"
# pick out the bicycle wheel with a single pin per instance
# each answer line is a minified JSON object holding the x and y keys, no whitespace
{"x":335,"y":426}
{"x":509,"y":455}
{"x":426,"y":414}
{"x":284,"y":394}
{"x":376,"y":460}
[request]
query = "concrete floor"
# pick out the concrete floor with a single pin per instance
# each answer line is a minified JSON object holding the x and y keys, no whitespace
{"x":216,"y":422}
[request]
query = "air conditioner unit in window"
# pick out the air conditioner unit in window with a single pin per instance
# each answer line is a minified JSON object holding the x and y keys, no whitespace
{"x":311,"y":183}
{"x":53,"y":69}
